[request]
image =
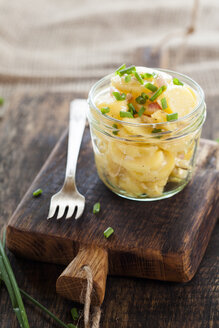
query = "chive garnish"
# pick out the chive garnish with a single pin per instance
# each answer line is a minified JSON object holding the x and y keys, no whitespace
{"x":120,"y":68}
{"x":177,"y":82}
{"x":96,"y":208}
{"x":132,"y":109}
{"x":138,"y":78}
{"x":151,"y":87}
{"x":74,"y":313}
{"x":2,"y":101}
{"x":158,"y":92}
{"x":156,"y":130}
{"x":115,"y":126}
{"x":108,"y":232}
{"x":148,"y":75}
{"x":128,"y":78}
{"x":217,"y":140}
{"x":172,"y":117}
{"x":126,"y":114}
{"x":119,"y":96}
{"x":164,"y":103}
{"x":37,"y":192}
{"x":142,"y":98}
{"x":127,"y":70}
{"x":105,"y":110}
{"x":141,"y":111}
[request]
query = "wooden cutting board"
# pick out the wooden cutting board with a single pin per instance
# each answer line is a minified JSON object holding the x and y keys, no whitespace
{"x":163,"y":240}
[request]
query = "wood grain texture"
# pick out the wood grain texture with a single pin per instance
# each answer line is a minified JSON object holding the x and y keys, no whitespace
{"x":163,"y":240}
{"x":72,"y":283}
{"x":30,"y":129}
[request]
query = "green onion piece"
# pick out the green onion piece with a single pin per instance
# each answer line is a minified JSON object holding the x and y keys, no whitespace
{"x":70,"y":325}
{"x":164,"y":103}
{"x":151,"y":87}
{"x":2,"y":101}
{"x":217,"y":140}
{"x":96,"y":208}
{"x":128,"y":78}
{"x":138,"y":78}
{"x":7,"y":275}
{"x":105,"y":110}
{"x":142,"y":98}
{"x":141,"y":111}
{"x":119,"y":96}
{"x":172,"y":117}
{"x":156,"y":130}
{"x":74,"y":313}
{"x":158,"y":92}
{"x":177,"y":82}
{"x":132,"y":109}
{"x":148,"y":76}
{"x":127,"y":70}
{"x":126,"y":114}
{"x":115,"y":126}
{"x":108,"y":232}
{"x":120,"y":68}
{"x":37,"y":192}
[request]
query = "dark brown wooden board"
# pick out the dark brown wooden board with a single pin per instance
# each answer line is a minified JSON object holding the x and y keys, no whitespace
{"x":163,"y":240}
{"x":28,"y":132}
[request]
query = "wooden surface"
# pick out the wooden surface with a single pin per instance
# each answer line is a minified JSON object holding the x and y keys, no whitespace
{"x":162,"y":240}
{"x":28,"y":132}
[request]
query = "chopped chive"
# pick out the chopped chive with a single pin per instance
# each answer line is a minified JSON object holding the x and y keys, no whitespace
{"x":96,"y":208}
{"x":151,"y":87}
{"x":148,"y":75}
{"x":142,"y":98}
{"x":132,"y":109}
{"x":37,"y":192}
{"x":126,"y":114}
{"x":217,"y":140}
{"x":172,"y":117}
{"x":177,"y":82}
{"x":70,"y":325}
{"x":156,"y":130}
{"x":2,"y":101}
{"x":74,"y":313}
{"x":108,"y":232}
{"x":138,"y":78}
{"x":158,"y":92}
{"x":119,"y":96}
{"x":141,"y":111}
{"x":115,"y":126}
{"x":128,"y":78}
{"x":105,"y":110}
{"x":164,"y":103}
{"x":120,"y":68}
{"x":127,"y":70}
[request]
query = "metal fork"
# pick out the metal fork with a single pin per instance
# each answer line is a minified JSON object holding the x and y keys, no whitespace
{"x":68,"y":198}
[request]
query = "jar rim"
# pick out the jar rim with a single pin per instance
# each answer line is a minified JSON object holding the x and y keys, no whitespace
{"x":183,"y":77}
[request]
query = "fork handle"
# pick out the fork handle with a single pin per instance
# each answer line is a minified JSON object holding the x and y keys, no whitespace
{"x":76,"y":129}
{"x":72,"y":283}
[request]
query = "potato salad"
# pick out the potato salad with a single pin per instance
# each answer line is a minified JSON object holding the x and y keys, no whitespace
{"x":142,"y":147}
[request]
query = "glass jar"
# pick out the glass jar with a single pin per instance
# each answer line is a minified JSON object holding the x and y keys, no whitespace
{"x":137,"y":164}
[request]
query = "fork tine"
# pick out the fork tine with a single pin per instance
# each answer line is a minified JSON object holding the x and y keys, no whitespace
{"x":61,"y":212}
{"x":70,"y":212}
{"x":79,"y":212}
{"x":52,"y":211}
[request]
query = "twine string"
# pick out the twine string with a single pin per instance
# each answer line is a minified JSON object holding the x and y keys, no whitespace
{"x":96,"y":310}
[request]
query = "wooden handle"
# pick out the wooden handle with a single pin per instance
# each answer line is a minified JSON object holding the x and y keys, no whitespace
{"x":72,"y":283}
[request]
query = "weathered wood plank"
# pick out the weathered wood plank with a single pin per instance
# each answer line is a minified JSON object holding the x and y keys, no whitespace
{"x":129,"y":302}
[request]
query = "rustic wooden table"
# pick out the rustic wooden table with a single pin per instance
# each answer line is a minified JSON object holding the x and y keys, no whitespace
{"x":26,"y":139}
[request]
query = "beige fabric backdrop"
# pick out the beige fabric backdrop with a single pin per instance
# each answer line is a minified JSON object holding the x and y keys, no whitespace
{"x":65,"y":45}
